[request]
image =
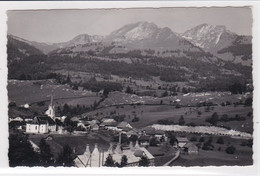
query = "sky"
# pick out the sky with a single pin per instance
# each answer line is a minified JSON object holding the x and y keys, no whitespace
{"x":53,"y":26}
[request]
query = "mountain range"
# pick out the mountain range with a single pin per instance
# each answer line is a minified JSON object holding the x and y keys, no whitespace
{"x":214,"y":41}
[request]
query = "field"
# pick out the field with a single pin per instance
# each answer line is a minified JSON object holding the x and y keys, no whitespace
{"x":22,"y":92}
{"x":195,"y":108}
{"x":217,"y":156}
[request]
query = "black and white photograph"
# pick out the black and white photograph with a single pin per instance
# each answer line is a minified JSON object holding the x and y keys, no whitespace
{"x":135,"y":87}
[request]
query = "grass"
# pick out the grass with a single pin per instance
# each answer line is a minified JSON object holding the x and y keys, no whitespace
{"x":242,"y":156}
{"x":150,"y":114}
{"x":23,"y":92}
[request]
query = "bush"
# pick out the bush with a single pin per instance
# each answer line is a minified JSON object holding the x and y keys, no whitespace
{"x":220,"y":140}
{"x":213,"y":120}
{"x":135,"y":119}
{"x":249,"y":101}
{"x":230,"y":150}
{"x":202,"y":139}
{"x":181,"y":120}
{"x":192,"y":139}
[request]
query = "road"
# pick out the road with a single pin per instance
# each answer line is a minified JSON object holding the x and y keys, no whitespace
{"x":177,"y":154}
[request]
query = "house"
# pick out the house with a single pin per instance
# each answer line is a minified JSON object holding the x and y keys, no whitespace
{"x":17,"y":125}
{"x":94,"y":127}
{"x":144,"y":140}
{"x":155,"y":151}
{"x":17,"y":119}
{"x":159,"y":134}
{"x":41,"y":124}
{"x":149,"y":131}
{"x":191,"y":148}
{"x":28,"y":119}
{"x":131,"y":132}
{"x":182,"y":141}
{"x":83,"y":124}
{"x":123,"y":125}
{"x":108,"y":123}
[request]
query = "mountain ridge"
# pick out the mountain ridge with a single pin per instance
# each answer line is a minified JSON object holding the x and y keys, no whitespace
{"x":143,"y":35}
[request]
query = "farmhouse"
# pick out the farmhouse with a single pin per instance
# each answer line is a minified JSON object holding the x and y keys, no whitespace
{"x":41,"y":124}
{"x":17,"y":119}
{"x":144,"y":140}
{"x":123,"y":125}
{"x":108,"y":123}
{"x":182,"y":141}
{"x":191,"y":149}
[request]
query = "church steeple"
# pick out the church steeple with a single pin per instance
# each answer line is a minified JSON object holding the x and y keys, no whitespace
{"x":51,"y":110}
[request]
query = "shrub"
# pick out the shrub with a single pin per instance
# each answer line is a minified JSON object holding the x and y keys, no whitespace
{"x":193,"y":139}
{"x":135,"y":119}
{"x":220,"y":140}
{"x":213,"y":119}
{"x":230,"y":150}
{"x":248,"y":101}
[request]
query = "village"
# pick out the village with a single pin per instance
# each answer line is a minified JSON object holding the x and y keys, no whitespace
{"x":114,"y":139}
{"x":130,"y":142}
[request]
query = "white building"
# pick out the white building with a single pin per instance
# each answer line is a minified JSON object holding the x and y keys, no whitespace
{"x":98,"y":158}
{"x":41,"y":124}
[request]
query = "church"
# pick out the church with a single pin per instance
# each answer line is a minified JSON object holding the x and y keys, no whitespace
{"x":43,"y":124}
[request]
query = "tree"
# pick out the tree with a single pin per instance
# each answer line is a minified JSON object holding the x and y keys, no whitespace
{"x":220,"y":140}
{"x":68,"y":80}
{"x":135,"y":119}
{"x":230,"y":150}
{"x":213,"y":119}
{"x":249,"y":101}
{"x":165,"y":94}
{"x":202,"y":139}
{"x":161,"y":102}
{"x":144,"y":161}
{"x":129,"y":90}
{"x":123,"y":161}
{"x":133,"y":138}
{"x":173,"y":139}
{"x":181,"y":120}
{"x":153,"y":142}
{"x":184,"y":90}
{"x":105,"y":92}
{"x":65,"y":157}
{"x":109,"y":161}
{"x":193,"y":139}
{"x":21,"y":152}
{"x":46,"y":157}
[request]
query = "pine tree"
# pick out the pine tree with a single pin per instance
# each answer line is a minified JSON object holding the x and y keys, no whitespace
{"x":123,"y":161}
{"x":21,"y":152}
{"x":144,"y":161}
{"x":65,"y":157}
{"x":46,"y":157}
{"x":181,"y":120}
{"x":109,"y":161}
